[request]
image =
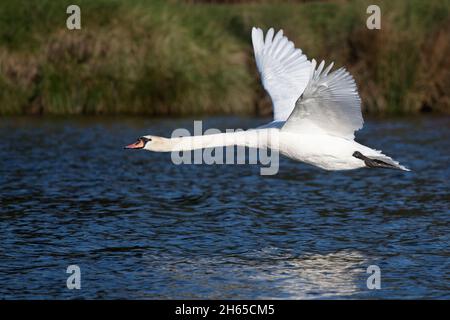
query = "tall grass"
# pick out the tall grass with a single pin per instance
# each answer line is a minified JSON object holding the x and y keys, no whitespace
{"x":157,"y":57}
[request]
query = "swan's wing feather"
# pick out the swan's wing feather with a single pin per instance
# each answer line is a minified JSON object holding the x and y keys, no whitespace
{"x":284,"y":70}
{"x":329,"y":104}
{"x":274,"y":124}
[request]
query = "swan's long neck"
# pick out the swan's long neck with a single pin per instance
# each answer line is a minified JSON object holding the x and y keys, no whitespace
{"x":257,"y":138}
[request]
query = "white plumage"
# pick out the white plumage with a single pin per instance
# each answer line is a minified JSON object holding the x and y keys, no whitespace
{"x":315,"y":113}
{"x":284,"y":70}
{"x":330,"y":102}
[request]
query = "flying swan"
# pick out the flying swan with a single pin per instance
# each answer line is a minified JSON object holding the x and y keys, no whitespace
{"x":315,"y":113}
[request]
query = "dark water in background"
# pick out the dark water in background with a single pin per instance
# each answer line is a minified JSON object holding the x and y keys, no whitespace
{"x":140,"y":227}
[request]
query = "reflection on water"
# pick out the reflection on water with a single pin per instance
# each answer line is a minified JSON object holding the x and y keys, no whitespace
{"x":140,"y":227}
{"x":324,"y":275}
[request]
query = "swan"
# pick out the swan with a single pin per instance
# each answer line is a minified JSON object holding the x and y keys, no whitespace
{"x":315,"y":113}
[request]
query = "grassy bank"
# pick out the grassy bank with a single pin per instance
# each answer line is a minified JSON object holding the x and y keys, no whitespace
{"x":154,"y":57}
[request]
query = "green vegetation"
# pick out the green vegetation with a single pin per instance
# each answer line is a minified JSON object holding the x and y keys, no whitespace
{"x":158,"y":57}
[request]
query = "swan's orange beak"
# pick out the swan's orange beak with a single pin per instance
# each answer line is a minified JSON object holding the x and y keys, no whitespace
{"x":137,"y":145}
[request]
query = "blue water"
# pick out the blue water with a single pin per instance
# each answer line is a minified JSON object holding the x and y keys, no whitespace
{"x":139,"y":226}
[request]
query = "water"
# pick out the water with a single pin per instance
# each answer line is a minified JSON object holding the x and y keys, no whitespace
{"x":140,"y":227}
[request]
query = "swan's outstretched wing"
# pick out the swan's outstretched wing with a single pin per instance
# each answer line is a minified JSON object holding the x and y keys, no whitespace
{"x":284,"y":70}
{"x":329,"y":104}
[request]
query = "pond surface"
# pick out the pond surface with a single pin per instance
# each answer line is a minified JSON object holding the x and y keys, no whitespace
{"x":139,"y":226}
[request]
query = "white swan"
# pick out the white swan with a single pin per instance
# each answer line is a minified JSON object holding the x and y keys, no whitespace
{"x":315,"y":113}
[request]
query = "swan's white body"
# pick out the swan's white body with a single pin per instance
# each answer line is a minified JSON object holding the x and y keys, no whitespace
{"x":326,"y":152}
{"x":315,"y":113}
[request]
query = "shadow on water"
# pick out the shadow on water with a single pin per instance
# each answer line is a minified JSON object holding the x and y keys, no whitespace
{"x":141,"y":227}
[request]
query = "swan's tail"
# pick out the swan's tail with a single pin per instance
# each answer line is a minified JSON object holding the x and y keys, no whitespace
{"x":378,"y":160}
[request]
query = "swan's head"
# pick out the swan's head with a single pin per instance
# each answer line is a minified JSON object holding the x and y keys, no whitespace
{"x":151,"y":143}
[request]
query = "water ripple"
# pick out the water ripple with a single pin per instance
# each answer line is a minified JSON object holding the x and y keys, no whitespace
{"x":141,"y":227}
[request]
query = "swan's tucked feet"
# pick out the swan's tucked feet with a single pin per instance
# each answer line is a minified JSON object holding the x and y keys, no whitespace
{"x":374,"y":163}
